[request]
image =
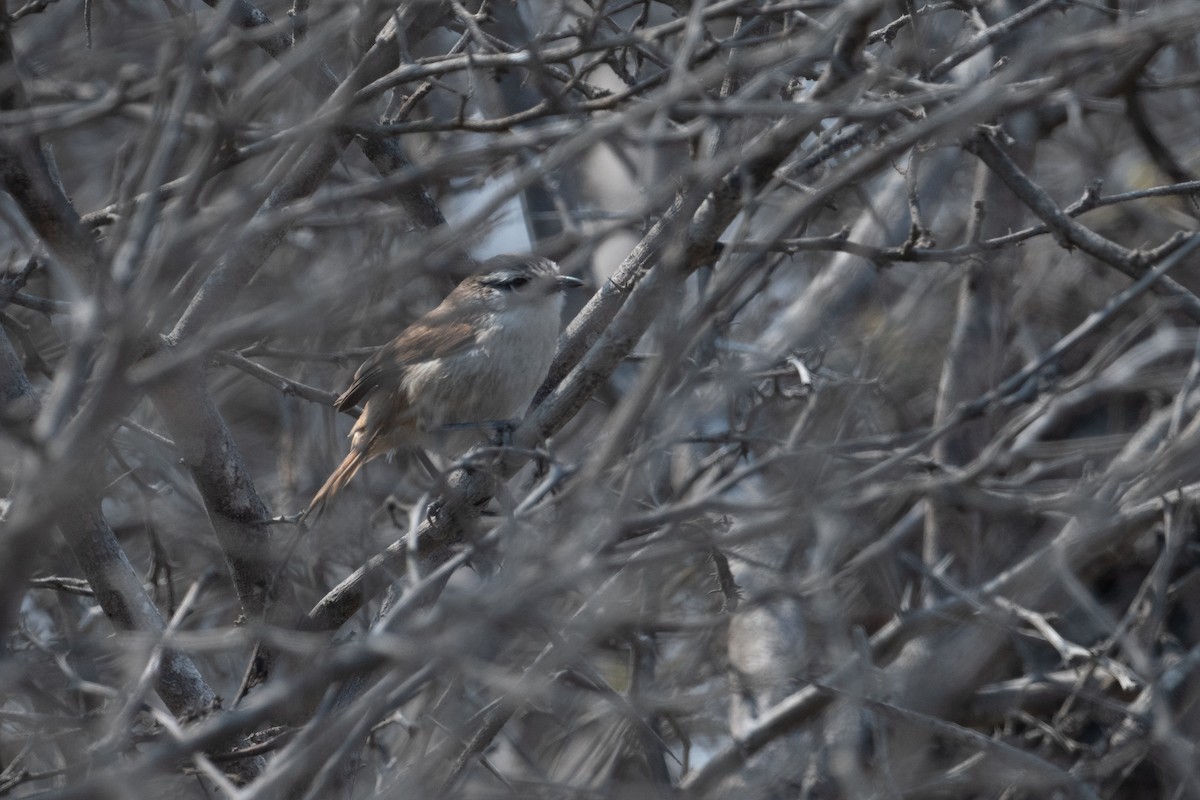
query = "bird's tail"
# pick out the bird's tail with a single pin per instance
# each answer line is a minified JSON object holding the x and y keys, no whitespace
{"x":349,"y":467}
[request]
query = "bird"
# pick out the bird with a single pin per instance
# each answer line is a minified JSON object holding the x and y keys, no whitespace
{"x":476,"y":359}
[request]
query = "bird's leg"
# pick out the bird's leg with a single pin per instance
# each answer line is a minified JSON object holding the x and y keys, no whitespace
{"x":505,"y":432}
{"x":502,"y":430}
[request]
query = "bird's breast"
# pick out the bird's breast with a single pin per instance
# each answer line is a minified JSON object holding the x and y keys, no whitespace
{"x":491,"y":381}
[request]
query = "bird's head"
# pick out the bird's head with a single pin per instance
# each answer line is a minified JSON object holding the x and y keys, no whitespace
{"x":506,"y":283}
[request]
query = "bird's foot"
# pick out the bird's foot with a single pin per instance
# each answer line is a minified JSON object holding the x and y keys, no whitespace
{"x":503,"y":431}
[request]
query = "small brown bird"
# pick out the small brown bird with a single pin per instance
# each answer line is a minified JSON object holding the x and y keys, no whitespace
{"x":476,"y":358}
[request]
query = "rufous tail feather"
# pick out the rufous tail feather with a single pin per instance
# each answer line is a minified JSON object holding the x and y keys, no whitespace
{"x":349,"y":467}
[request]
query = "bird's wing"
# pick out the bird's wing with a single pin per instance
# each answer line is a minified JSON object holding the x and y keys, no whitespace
{"x":426,"y":339}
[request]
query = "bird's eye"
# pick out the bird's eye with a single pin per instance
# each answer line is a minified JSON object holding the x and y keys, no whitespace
{"x":504,"y":281}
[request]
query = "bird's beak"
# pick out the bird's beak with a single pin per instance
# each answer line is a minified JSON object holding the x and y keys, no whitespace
{"x":568,"y":282}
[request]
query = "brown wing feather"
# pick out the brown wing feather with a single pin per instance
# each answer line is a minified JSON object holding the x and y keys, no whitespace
{"x":428,"y":338}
